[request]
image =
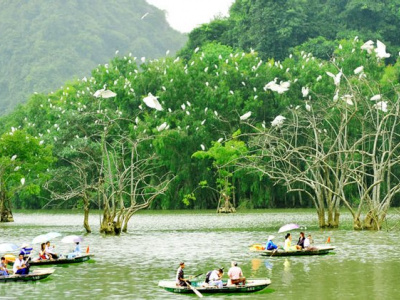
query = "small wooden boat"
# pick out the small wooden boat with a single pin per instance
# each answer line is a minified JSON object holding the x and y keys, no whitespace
{"x":319,"y":250}
{"x":60,"y":261}
{"x":250,"y":287}
{"x":37,"y":274}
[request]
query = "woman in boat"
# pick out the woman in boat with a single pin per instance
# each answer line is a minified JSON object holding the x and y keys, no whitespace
{"x":77,"y":250}
{"x":288,"y":244}
{"x":270,"y":244}
{"x":300,"y":242}
{"x":42,"y":252}
{"x":50,"y":251}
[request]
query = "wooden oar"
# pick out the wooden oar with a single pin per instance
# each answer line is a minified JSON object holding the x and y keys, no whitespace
{"x":195,"y":276}
{"x":194,"y":290}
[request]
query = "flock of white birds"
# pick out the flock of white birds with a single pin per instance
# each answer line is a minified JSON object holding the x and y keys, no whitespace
{"x":279,"y":87}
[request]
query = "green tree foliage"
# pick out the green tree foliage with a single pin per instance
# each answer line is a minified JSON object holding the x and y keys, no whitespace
{"x":24,"y":164}
{"x":44,"y":43}
{"x":273,"y":28}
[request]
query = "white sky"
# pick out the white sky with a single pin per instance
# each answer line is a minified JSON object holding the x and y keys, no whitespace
{"x":184,"y":15}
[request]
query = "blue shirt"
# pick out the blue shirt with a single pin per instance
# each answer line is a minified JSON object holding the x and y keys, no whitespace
{"x":271,"y":245}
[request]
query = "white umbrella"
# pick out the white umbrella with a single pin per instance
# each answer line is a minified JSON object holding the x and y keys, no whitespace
{"x":6,"y":247}
{"x":40,"y":239}
{"x":288,"y":227}
{"x":52,"y":235}
{"x":72,"y":239}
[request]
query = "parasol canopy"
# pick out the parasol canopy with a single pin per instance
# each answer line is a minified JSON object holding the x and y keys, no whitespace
{"x":72,"y":239}
{"x":288,"y":227}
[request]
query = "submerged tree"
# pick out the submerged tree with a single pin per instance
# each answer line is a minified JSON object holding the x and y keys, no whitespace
{"x":339,"y":147}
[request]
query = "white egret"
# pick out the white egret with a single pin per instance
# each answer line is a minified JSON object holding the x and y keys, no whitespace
{"x":381,"y":50}
{"x":220,"y":140}
{"x":17,"y":168}
{"x":376,"y":97}
{"x":347,"y":99}
{"x":305,"y":90}
{"x":245,"y":116}
{"x":336,"y":78}
{"x":162,"y":126}
{"x":152,"y":102}
{"x":22,"y":181}
{"x":278,"y":121}
{"x":308,"y":107}
{"x":202,"y":122}
{"x":183,"y":106}
{"x":368,"y":46}
{"x":203,"y":147}
{"x":103,"y":93}
{"x":13,"y":157}
{"x":382,"y":105}
{"x":359,"y":69}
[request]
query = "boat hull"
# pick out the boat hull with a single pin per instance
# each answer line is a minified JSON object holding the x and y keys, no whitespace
{"x":314,"y":251}
{"x":61,"y":261}
{"x":250,"y":287}
{"x":34,"y":276}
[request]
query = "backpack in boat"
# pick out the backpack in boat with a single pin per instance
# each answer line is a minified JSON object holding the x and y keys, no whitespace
{"x":207,"y":280}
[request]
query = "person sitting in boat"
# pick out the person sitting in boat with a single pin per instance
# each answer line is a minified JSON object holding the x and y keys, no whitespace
{"x":180,"y":276}
{"x":20,"y":266}
{"x":270,"y":244}
{"x":215,"y":278}
{"x":50,"y":251}
{"x":3,"y":267}
{"x":300,"y":242}
{"x":77,"y":250}
{"x":307,"y":243}
{"x":236,"y":275}
{"x":42,"y":253}
{"x":288,"y":244}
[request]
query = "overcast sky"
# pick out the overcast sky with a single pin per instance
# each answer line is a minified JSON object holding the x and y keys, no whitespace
{"x":184,"y":15}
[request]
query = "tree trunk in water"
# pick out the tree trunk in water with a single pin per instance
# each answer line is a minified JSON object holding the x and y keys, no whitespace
{"x":357,"y":223}
{"x":371,"y":221}
{"x":109,"y":226}
{"x":336,"y":219}
{"x":321,"y":218}
{"x":86,"y":220}
{"x":5,"y":210}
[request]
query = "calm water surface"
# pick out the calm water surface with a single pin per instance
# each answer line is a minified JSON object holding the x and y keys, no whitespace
{"x":366,"y":265}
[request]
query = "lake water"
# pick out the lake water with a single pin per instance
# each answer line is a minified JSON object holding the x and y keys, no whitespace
{"x":365,"y":265}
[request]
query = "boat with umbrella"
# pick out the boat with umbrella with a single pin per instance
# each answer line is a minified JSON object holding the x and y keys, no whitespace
{"x":315,"y":250}
{"x":75,"y":257}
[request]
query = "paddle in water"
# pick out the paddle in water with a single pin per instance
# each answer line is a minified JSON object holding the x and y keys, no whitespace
{"x":194,"y":290}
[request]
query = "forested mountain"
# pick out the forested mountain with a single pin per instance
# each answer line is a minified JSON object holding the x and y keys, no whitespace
{"x":43,"y":44}
{"x":272,"y":27}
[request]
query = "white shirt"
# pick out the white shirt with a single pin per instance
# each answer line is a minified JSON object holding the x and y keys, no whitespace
{"x":306,"y":243}
{"x":17,"y":263}
{"x":235,"y":272}
{"x":214,"y":276}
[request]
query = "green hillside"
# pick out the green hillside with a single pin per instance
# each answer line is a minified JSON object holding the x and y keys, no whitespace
{"x":43,"y":44}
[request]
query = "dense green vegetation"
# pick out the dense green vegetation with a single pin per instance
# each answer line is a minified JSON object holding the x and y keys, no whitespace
{"x":45,"y":43}
{"x":273,"y":28}
{"x":216,"y":131}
